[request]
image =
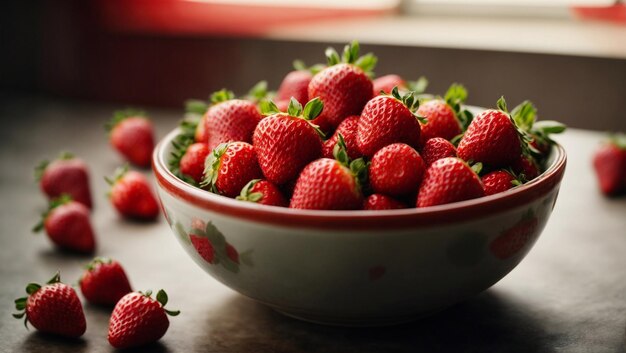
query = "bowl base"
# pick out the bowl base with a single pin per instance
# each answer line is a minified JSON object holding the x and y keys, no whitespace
{"x":354,"y":321}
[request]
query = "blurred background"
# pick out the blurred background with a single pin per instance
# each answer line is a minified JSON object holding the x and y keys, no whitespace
{"x":567,"y":57}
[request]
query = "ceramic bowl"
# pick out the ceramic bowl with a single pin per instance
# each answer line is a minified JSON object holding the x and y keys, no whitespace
{"x":358,"y":268}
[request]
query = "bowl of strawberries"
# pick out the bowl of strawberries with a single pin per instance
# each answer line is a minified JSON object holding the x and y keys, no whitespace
{"x":371,"y":204}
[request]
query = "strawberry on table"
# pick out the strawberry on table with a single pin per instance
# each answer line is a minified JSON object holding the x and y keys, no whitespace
{"x":137,"y":319}
{"x":499,"y":181}
{"x":132,"y":195}
{"x":262,"y":192}
{"x":609,"y":162}
{"x":448,"y":180}
{"x":286,"y":142}
{"x":376,"y":202}
{"x":65,"y":175}
{"x":104,"y":282}
{"x":132,"y":135}
{"x":348,"y":129}
{"x":53,"y":308}
{"x":229,"y":167}
{"x":437,"y":148}
{"x":445,"y":117}
{"x":67,"y":224}
{"x":396,"y":170}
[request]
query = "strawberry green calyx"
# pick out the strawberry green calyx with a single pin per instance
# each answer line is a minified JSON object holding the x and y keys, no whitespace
{"x":121,"y":115}
{"x":418,"y":86}
{"x":311,"y":110}
{"x":196,"y":106}
{"x":31,"y":288}
{"x":162,"y":298}
{"x":248,"y":195}
{"x":455,"y":97}
{"x":350,"y":55}
{"x":358,"y":167}
{"x":618,"y":140}
{"x":524,"y":136}
{"x":119,"y":174}
{"x":410,"y":101}
{"x":181,"y":142}
{"x":268,"y":107}
{"x":97,"y":261}
{"x":212,"y":167}
{"x":476,"y":167}
{"x":257,"y":92}
{"x":54,"y":203}
{"x":222,"y":95}
{"x":41,"y":167}
{"x":314,"y":69}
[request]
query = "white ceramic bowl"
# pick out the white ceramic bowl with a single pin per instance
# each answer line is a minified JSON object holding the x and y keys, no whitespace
{"x":358,"y":268}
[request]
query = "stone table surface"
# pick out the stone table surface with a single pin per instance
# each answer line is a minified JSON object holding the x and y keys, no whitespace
{"x":568,"y":295}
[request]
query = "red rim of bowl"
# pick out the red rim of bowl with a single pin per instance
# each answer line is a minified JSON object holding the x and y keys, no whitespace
{"x":358,"y":220}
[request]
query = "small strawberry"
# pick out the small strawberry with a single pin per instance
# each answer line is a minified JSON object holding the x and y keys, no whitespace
{"x":396,"y":170}
{"x":132,"y":135}
{"x":499,"y":181}
{"x":344,"y":86}
{"x":229,"y":167}
{"x":448,"y":180}
{"x":188,"y":156}
{"x":286,"y":142}
{"x":192,"y":162}
{"x":53,"y":308}
{"x":387,"y":83}
{"x":193,"y":124}
{"x":348,"y":129}
{"x":377,"y":202}
{"x":295,"y":85}
{"x":104,"y":282}
{"x":132,"y":196}
{"x":609,"y":162}
{"x":137,"y":319}
{"x":230,"y":119}
{"x":526,"y":167}
{"x":445,"y":117}
{"x":66,"y":175}
{"x":67,"y":224}
{"x":511,"y":241}
{"x":386,"y":120}
{"x":263,"y":192}
{"x":437,"y":148}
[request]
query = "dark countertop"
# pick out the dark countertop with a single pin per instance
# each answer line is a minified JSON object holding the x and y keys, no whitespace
{"x":568,"y":295}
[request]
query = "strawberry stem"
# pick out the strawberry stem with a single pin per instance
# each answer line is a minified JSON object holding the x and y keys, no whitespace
{"x":212,"y":166}
{"x":247,"y":195}
{"x":222,"y":95}
{"x":121,"y":115}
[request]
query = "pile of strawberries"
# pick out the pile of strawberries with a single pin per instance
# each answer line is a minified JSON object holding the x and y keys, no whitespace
{"x":357,"y":143}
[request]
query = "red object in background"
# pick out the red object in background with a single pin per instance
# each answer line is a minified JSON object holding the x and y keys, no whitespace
{"x":615,"y":13}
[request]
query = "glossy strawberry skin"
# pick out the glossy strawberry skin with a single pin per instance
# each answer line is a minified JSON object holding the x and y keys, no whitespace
{"x":325,"y":184}
{"x":136,"y":320}
{"x":442,"y":121}
{"x":347,"y":129}
{"x":491,"y":139}
{"x":56,"y":309}
{"x":295,"y":84}
{"x":105,"y":283}
{"x":232,"y":120}
{"x":132,"y":196}
{"x":396,"y":170}
{"x":376,"y":202}
{"x":387,"y":83}
{"x":238,"y":165}
{"x":497,"y":181}
{"x":448,"y":180}
{"x":609,"y":162}
{"x":69,"y":227}
{"x":526,"y":166}
{"x":192,"y":162}
{"x":204,"y":247}
{"x":344,"y":89}
{"x":284,"y":145}
{"x":437,"y":148}
{"x":67,"y":176}
{"x":133,"y":137}
{"x":272,"y":196}
{"x":386,"y":120}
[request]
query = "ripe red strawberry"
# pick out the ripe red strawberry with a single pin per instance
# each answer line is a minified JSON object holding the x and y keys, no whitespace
{"x":229,"y":167}
{"x":348,"y":129}
{"x":526,"y":167}
{"x":104,"y":282}
{"x":203,"y":246}
{"x":67,"y":224}
{"x":609,"y":162}
{"x":53,"y":308}
{"x":511,"y":241}
{"x":132,"y":196}
{"x":295,"y":85}
{"x":444,"y":116}
{"x":499,"y":181}
{"x":437,"y":148}
{"x":131,"y":133}
{"x":396,"y":170}
{"x":376,"y":202}
{"x":66,"y":175}
{"x":286,"y":142}
{"x":344,"y":85}
{"x":387,"y":83}
{"x":386,"y":120}
{"x":448,"y":180}
{"x":492,"y":138}
{"x":137,"y":319}
{"x":192,"y":161}
{"x":230,"y":119}
{"x":263,"y":192}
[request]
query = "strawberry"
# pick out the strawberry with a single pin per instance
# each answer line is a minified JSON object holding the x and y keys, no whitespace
{"x":377,"y":202}
{"x":499,"y":181}
{"x":387,"y":119}
{"x":286,"y":142}
{"x":386,"y":83}
{"x":263,"y":192}
{"x":132,"y":196}
{"x":444,"y":116}
{"x":348,"y":129}
{"x":132,"y":135}
{"x":511,"y":241}
{"x":104,"y":282}
{"x":188,"y":156}
{"x":609,"y":162}
{"x":67,"y":224}
{"x":448,"y":180}
{"x":344,"y":86}
{"x":53,"y":308}
{"x":437,"y":148}
{"x":396,"y":170}
{"x":295,"y":85}
{"x":192,"y":162}
{"x":526,"y":167}
{"x":229,"y":167}
{"x":331,"y":184}
{"x":536,"y":133}
{"x":137,"y":319}
{"x":66,"y":175}
{"x":230,"y":119}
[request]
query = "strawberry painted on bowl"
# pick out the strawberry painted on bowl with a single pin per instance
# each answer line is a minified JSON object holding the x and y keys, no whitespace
{"x":358,"y":268}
